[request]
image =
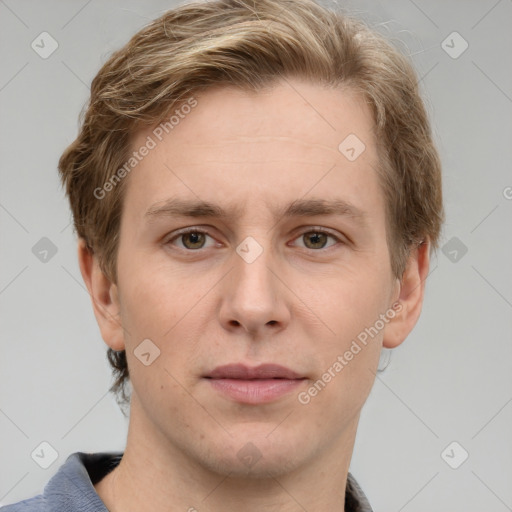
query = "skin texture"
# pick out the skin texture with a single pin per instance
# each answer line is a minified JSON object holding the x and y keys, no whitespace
{"x":300,"y":303}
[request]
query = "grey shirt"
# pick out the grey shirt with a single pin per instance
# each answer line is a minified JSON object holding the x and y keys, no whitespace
{"x":71,"y":488}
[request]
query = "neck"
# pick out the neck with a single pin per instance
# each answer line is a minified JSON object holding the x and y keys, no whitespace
{"x":156,"y":475}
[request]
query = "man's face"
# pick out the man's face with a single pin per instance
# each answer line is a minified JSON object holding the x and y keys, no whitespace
{"x":262,"y":283}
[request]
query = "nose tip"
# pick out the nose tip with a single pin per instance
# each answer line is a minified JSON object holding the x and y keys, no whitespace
{"x":253,"y":299}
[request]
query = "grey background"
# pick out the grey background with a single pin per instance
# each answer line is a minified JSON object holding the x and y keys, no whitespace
{"x":450,"y":381}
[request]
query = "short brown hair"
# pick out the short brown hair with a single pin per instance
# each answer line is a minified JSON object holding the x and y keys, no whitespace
{"x":251,"y":44}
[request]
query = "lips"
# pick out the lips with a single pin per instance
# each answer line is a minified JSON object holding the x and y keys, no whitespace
{"x":261,"y":384}
{"x":242,"y":372}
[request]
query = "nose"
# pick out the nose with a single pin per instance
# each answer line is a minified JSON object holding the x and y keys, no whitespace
{"x":254,"y":299}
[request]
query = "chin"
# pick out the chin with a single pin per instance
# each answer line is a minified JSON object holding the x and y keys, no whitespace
{"x":257,"y":456}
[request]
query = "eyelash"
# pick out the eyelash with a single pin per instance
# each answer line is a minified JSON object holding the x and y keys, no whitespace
{"x":312,"y":229}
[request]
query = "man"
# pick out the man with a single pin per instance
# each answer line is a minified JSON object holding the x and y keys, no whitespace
{"x":256,"y":194}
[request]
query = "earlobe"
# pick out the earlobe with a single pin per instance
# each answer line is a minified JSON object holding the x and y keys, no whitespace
{"x":104,"y":297}
{"x":412,"y":290}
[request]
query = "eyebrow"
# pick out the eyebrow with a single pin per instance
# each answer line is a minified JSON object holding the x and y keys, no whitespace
{"x":175,"y":207}
{"x":313,"y":207}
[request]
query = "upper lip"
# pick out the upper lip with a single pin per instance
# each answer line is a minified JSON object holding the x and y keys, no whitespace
{"x":243,"y":372}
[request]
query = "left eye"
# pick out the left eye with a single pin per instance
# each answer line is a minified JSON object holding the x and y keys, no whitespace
{"x":316,"y":239}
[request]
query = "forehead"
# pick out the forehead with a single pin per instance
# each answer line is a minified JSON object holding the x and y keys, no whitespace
{"x":240,"y":147}
{"x":304,"y":113}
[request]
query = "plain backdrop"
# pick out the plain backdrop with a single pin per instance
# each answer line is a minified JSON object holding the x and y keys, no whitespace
{"x":451,"y":381}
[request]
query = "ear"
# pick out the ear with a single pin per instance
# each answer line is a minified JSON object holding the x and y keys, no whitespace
{"x":410,"y":298}
{"x":104,"y":296}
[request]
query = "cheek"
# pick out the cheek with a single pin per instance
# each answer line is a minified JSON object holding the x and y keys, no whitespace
{"x":156,"y":300}
{"x":349,"y":356}
{"x":169,"y":311}
{"x":348,"y":363}
{"x":350,"y":304}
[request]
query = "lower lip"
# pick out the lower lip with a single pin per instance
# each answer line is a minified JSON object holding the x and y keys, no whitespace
{"x":258,"y":391}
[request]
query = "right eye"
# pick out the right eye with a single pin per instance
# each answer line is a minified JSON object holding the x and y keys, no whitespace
{"x":192,"y":239}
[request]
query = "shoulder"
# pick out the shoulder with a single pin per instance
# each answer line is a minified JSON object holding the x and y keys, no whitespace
{"x":72,"y":487}
{"x":35,"y":504}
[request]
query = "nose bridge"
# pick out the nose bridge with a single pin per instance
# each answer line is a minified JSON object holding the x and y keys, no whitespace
{"x":252,"y":273}
{"x":254,"y":298}
{"x":258,"y":273}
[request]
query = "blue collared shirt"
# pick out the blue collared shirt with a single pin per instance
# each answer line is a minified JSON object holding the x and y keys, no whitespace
{"x":71,"y":489}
